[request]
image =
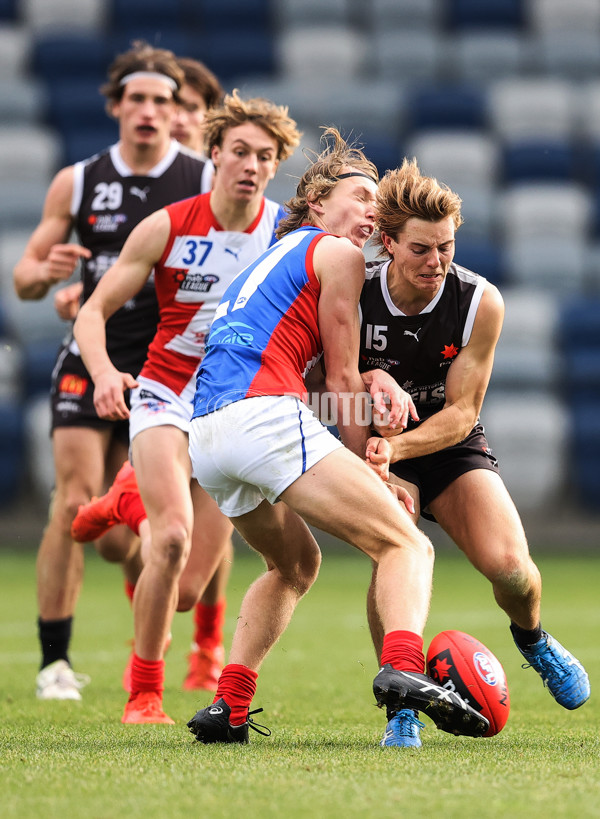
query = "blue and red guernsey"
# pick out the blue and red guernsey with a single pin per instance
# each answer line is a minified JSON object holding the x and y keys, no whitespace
{"x":265,"y":334}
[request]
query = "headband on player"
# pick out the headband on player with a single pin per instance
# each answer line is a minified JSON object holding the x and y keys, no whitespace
{"x":351,"y":173}
{"x":149,"y":75}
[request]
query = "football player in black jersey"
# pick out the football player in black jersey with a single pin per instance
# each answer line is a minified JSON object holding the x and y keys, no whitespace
{"x":433,"y":326}
{"x":102,"y":198}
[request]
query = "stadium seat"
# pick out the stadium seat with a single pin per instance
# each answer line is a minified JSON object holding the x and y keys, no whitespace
{"x":78,"y":55}
{"x":237,"y":52}
{"x":474,"y":13}
{"x":21,"y":204}
{"x":483,"y":55}
{"x":289,"y":14}
{"x":536,"y":159}
{"x":529,"y":434}
{"x":11,"y":366}
{"x":8,"y":9}
{"x":39,"y":358}
{"x":75,"y":104}
{"x":585,"y":452}
{"x":85,"y":15}
{"x":396,"y":15}
{"x":12,"y":441}
{"x":127,"y":14}
{"x":556,"y":15}
{"x":38,"y":454}
{"x":579,"y":336}
{"x":556,"y":264}
{"x":588,"y":119}
{"x":532,"y":108}
{"x":82,"y":143}
{"x":480,"y":255}
{"x":215,"y":17}
{"x":28,"y":153}
{"x":456,"y":157}
{"x":528,"y":356}
{"x":22,"y":101}
{"x":554,"y":209}
{"x":334,"y":103}
{"x":15,"y":50}
{"x":447,"y":106}
{"x":321,"y":55}
{"x":566,"y":53}
{"x":406,"y":56}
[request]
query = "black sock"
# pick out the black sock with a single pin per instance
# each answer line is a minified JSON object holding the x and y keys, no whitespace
{"x":55,"y":636}
{"x":525,"y":638}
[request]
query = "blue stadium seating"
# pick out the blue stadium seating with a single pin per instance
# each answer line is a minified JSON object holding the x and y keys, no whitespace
{"x":8,"y":9}
{"x":127,"y":14}
{"x":71,"y":56}
{"x":585,"y":453}
{"x":536,"y":159}
{"x":12,"y":444}
{"x":485,"y":13}
{"x":447,"y":106}
{"x":219,"y":16}
{"x":481,"y":256}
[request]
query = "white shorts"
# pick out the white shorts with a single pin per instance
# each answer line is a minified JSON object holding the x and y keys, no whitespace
{"x":154,"y":405}
{"x":254,"y":449}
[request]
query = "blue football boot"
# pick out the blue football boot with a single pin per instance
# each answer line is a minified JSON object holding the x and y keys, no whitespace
{"x":403,"y":730}
{"x":561,"y":673}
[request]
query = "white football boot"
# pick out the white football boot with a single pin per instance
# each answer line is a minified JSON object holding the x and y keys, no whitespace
{"x":58,"y":681}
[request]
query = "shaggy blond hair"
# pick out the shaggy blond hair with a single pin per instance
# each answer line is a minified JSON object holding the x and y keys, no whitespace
{"x":272,"y":118}
{"x":320,"y":178}
{"x":404,"y":193}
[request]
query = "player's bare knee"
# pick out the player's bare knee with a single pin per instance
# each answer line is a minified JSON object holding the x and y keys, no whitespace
{"x":171,"y":545}
{"x":301,"y":575}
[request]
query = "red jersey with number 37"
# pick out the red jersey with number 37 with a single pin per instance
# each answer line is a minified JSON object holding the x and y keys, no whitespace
{"x":199,"y":262}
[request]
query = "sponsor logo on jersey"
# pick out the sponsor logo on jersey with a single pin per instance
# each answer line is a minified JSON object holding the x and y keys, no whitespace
{"x":67,"y":407}
{"x":141,"y":193}
{"x":153,"y":403}
{"x":106,"y":222}
{"x":449,"y":351}
{"x":195,"y":282}
{"x":71,"y":384}
{"x":232,"y":334}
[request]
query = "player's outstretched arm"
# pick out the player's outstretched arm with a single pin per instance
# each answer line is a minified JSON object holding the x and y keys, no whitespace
{"x":48,"y":258}
{"x":121,"y":282}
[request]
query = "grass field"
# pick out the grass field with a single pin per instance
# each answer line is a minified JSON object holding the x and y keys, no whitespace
{"x":77,"y":759}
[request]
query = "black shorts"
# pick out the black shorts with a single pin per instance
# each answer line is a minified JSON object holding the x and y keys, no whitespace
{"x":431,"y":474}
{"x":72,"y":398}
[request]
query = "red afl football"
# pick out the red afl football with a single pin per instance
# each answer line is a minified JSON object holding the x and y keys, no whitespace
{"x":459,"y":662}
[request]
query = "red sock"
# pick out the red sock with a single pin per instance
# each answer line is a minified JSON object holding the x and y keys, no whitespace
{"x":403,"y":650}
{"x":237,"y":686}
{"x":147,"y":675}
{"x":129,"y":590}
{"x":208,"y":622}
{"x":131,"y":509}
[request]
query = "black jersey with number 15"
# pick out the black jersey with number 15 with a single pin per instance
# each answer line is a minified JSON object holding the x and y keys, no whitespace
{"x":418,"y":350}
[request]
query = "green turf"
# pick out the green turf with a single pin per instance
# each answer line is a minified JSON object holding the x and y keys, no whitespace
{"x":70,"y":759}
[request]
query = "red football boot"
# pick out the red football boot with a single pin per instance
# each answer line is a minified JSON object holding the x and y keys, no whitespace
{"x":99,"y":515}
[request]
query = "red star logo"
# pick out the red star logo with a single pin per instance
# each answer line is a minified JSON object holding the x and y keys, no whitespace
{"x":449,"y":351}
{"x":440,"y":670}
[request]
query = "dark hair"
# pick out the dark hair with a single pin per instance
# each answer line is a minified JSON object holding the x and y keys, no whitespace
{"x":202,"y":80}
{"x":140,"y":57}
